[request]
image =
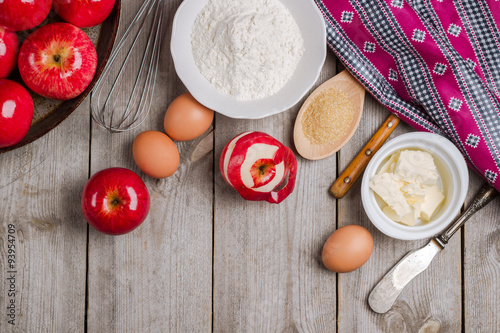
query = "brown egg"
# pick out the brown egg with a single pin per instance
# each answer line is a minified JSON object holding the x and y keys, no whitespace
{"x":347,"y":249}
{"x":155,"y":154}
{"x":186,"y":119}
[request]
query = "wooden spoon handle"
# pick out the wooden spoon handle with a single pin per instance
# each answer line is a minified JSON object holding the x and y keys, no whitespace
{"x":347,"y":179}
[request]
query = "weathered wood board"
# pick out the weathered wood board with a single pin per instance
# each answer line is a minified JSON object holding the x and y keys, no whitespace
{"x":40,"y":191}
{"x":268,"y":274}
{"x":481,"y":265}
{"x":159,"y":277}
{"x":432,"y":298}
{"x":206,"y":260}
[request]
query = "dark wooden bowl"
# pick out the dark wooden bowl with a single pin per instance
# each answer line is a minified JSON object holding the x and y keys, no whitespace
{"x":55,"y":116}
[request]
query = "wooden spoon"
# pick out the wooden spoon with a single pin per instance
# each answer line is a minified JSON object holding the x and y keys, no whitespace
{"x":346,"y":83}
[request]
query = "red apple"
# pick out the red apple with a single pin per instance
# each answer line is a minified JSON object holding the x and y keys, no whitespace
{"x":17,"y":15}
{"x":57,"y":61}
{"x":9,"y":46}
{"x":256,"y":164}
{"x":115,"y":201}
{"x":83,"y":13}
{"x":16,"y":112}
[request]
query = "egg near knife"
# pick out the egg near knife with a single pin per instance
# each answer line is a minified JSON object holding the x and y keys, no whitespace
{"x":347,"y":249}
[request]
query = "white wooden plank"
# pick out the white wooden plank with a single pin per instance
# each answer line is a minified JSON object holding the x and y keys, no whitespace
{"x":40,"y":191}
{"x":482,"y":265}
{"x":157,"y":278}
{"x":435,"y":295}
{"x":268,"y":274}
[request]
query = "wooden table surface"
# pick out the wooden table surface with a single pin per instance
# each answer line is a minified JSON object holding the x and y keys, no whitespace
{"x":205,"y":259}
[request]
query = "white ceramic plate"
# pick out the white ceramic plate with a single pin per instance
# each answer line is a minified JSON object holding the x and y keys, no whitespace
{"x":312,"y":27}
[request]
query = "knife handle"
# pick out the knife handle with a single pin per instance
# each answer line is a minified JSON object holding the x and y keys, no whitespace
{"x":485,"y":195}
{"x":347,"y":178}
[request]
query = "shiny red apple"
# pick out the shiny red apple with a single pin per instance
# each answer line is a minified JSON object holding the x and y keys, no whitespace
{"x":255,"y":164}
{"x":17,"y":15}
{"x":9,"y":47}
{"x":83,"y":13}
{"x":58,"y":61}
{"x":115,"y":201}
{"x":16,"y":112}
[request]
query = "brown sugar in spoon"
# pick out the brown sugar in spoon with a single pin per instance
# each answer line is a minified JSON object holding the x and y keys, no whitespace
{"x":355,"y":92}
{"x":350,"y":88}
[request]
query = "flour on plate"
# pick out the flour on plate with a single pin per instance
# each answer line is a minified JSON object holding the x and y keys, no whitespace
{"x":248,"y":49}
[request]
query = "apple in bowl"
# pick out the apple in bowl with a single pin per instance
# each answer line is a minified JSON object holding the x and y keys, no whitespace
{"x":115,"y":201}
{"x":9,"y":47}
{"x":83,"y":13}
{"x":57,"y":61}
{"x":16,"y":112}
{"x":17,"y":15}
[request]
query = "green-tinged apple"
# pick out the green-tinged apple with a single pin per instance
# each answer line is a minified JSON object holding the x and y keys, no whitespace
{"x":9,"y":47}
{"x":115,"y":201}
{"x":83,"y":13}
{"x":17,"y":15}
{"x":255,"y":164}
{"x":16,"y":112}
{"x":58,"y":61}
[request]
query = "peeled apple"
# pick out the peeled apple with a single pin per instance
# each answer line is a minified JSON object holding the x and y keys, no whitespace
{"x":255,"y":164}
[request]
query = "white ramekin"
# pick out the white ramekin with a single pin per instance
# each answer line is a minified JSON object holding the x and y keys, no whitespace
{"x":454,"y":174}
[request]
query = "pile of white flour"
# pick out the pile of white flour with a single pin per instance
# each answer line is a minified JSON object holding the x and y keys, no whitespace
{"x":248,"y":49}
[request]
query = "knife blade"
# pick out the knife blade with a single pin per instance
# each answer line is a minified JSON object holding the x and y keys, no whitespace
{"x":385,"y":293}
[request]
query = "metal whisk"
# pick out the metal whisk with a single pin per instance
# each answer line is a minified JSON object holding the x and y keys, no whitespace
{"x":121,"y":99}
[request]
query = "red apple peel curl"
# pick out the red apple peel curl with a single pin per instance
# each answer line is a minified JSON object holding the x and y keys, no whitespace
{"x":256,"y":165}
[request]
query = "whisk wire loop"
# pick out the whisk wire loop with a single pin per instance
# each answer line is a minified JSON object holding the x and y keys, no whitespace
{"x":120,"y":113}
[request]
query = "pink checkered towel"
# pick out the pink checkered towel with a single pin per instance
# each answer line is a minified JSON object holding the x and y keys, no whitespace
{"x":433,"y":63}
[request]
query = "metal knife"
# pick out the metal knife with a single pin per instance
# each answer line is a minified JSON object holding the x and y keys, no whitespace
{"x":385,"y":293}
